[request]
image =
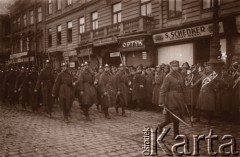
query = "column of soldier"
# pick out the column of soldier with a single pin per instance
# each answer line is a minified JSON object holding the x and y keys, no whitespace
{"x":194,"y":90}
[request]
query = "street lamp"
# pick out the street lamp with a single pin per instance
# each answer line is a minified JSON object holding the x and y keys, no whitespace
{"x":215,"y":52}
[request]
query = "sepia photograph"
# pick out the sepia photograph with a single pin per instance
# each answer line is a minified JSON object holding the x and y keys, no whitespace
{"x":119,"y":78}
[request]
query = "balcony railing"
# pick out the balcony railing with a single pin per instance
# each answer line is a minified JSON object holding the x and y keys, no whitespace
{"x":85,"y":37}
{"x":98,"y":33}
{"x":138,"y":24}
{"x":114,"y":29}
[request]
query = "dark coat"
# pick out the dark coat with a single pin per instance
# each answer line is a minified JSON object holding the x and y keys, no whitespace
{"x":158,"y":80}
{"x":139,"y":83}
{"x":172,"y":94}
{"x":106,"y":85}
{"x":46,"y":81}
{"x":149,"y":88}
{"x":122,"y":87}
{"x":63,"y":86}
{"x":207,"y":96}
{"x":86,"y":84}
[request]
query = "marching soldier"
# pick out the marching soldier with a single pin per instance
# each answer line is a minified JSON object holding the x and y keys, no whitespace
{"x":64,"y":89}
{"x":19,"y":81}
{"x":97,"y":78}
{"x":88,"y":95}
{"x":33,"y":97}
{"x":10,"y":82}
{"x":172,"y":97}
{"x":106,"y":89}
{"x":46,"y":81}
{"x":122,"y":89}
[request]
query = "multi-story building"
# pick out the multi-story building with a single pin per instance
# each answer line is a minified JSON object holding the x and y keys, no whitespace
{"x":27,"y":21}
{"x":101,"y":31}
{"x":131,"y":32}
{"x":5,"y":45}
{"x":185,"y":31}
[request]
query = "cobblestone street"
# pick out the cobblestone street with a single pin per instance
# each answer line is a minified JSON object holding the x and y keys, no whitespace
{"x":25,"y":134}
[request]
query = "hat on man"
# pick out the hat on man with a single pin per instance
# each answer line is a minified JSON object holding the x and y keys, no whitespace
{"x":86,"y":64}
{"x":47,"y":61}
{"x":106,"y":66}
{"x":63,"y":64}
{"x":174,"y":63}
{"x":100,"y":67}
{"x":121,"y":65}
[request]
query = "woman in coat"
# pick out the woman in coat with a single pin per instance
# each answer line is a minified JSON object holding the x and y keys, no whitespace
{"x":157,"y":83}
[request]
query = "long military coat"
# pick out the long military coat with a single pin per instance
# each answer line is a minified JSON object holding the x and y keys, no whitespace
{"x":106,"y":85}
{"x":172,"y":94}
{"x":63,"y":86}
{"x":86,"y":84}
{"x":122,"y":87}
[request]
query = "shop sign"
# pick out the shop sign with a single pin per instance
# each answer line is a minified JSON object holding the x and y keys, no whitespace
{"x":19,"y":60}
{"x":132,"y":44}
{"x":18,"y":55}
{"x":115,"y":54}
{"x":25,"y":59}
{"x":187,"y":33}
{"x":31,"y":58}
{"x":70,"y":53}
{"x":85,"y":52}
{"x":105,"y":41}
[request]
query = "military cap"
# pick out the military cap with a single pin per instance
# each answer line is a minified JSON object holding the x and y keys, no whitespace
{"x":174,"y":63}
{"x":100,"y":67}
{"x":47,"y":61}
{"x":86,"y":63}
{"x":106,"y":65}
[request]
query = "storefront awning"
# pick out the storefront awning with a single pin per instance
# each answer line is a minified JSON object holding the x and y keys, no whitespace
{"x":70,"y":53}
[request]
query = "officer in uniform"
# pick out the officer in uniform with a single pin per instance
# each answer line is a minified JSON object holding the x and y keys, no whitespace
{"x":46,"y":80}
{"x":88,"y":94}
{"x":97,"y":78}
{"x":64,"y":88}
{"x":172,"y":97}
{"x":106,"y":90}
{"x":19,"y":81}
{"x":122,"y":89}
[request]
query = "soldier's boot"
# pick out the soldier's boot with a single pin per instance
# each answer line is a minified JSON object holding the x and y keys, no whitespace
{"x":106,"y":113}
{"x":123,"y":112}
{"x":85,"y":110}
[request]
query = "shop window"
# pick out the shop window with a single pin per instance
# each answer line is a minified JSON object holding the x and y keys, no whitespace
{"x":174,"y":8}
{"x":146,"y":8}
{"x":206,"y":4}
{"x":117,"y":13}
{"x":59,"y":35}
{"x":49,"y":6}
{"x":59,"y":4}
{"x":69,"y":31}
{"x":81,"y":25}
{"x":94,"y":20}
{"x":31,"y":17}
{"x":39,"y":14}
{"x":50,"y":37}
